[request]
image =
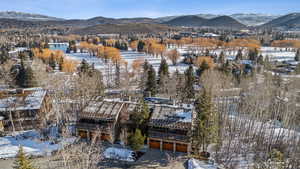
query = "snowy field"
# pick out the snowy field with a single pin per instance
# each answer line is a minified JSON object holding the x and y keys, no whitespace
{"x":32,"y":144}
{"x":278,"y":54}
{"x":129,"y":57}
{"x":119,"y":154}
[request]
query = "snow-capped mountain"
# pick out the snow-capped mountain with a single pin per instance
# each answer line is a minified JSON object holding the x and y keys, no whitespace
{"x":27,"y":16}
{"x":253,"y":19}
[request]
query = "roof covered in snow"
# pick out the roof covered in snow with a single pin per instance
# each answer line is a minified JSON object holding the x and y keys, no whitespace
{"x":21,"y":99}
{"x":171,"y":117}
{"x":105,"y":110}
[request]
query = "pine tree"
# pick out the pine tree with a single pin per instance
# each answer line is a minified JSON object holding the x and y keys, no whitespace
{"x":239,"y":55}
{"x":206,"y":124}
{"x":68,"y":50}
{"x":163,"y":68}
{"x":61,"y":62}
{"x":140,"y":46}
{"x":260,"y":59}
{"x":189,"y":83}
{"x":84,"y":67}
{"x":222,"y":58}
{"x":163,"y":73}
{"x":140,"y":115}
{"x":52,"y":61}
{"x":22,"y":162}
{"x":20,"y":77}
{"x":29,"y":79}
{"x":297,"y":57}
{"x":253,"y":54}
{"x":136,"y":140}
{"x":207,"y":53}
{"x":151,"y":82}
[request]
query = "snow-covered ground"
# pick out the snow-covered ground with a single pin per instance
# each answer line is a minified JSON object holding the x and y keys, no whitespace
{"x":31,"y":143}
{"x":278,"y":54}
{"x":196,"y":164}
{"x":129,"y":57}
{"x":119,"y":154}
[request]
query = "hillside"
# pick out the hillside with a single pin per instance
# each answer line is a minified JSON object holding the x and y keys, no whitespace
{"x":290,"y":21}
{"x":122,"y":28}
{"x":219,"y":22}
{"x":190,"y":20}
{"x":253,"y":19}
{"x":26,"y":16}
{"x":224,"y":22}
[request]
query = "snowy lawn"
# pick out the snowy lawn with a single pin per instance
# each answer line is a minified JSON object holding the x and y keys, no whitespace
{"x":196,"y":164}
{"x":129,"y":57}
{"x":32,"y":144}
{"x":119,"y":154}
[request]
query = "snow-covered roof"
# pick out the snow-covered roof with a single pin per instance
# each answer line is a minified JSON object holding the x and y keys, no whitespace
{"x":21,"y":99}
{"x":104,"y":110}
{"x":171,"y":117}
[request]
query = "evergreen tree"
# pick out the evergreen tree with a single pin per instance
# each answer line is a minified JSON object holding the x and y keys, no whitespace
{"x":52,"y":61}
{"x":260,"y":59}
{"x":84,"y":66}
{"x":253,"y":54}
{"x":189,"y":83}
{"x":29,"y":79}
{"x":144,"y":76}
{"x":207,"y":53}
{"x":140,"y":46}
{"x":163,"y":73}
{"x":22,"y":162}
{"x":163,"y":68}
{"x":136,"y":140}
{"x":68,"y":50}
{"x":297,"y":56}
{"x":140,"y":115}
{"x":151,"y":82}
{"x":222,"y":58}
{"x":61,"y":62}
{"x":206,"y":124}
{"x":20,"y":77}
{"x":239,"y":55}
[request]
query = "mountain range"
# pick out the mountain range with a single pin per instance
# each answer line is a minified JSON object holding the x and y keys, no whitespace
{"x":27,"y":16}
{"x":286,"y":22}
{"x":235,"y":21}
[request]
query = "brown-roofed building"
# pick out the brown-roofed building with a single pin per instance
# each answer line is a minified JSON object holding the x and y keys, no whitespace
{"x":23,"y":109}
{"x":170,"y":129}
{"x":99,"y":119}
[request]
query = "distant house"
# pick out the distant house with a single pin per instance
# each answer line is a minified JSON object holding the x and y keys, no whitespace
{"x":170,"y":129}
{"x":108,"y":36}
{"x":209,"y":35}
{"x":22,"y":109}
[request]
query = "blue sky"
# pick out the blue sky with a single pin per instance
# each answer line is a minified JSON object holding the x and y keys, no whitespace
{"x":147,"y":8}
